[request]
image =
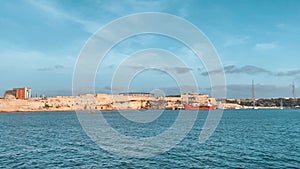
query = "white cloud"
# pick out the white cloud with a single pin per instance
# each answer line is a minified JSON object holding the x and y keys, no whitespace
{"x":109,"y":9}
{"x":184,"y":11}
{"x":54,"y":11}
{"x":232,"y":41}
{"x":266,"y":46}
{"x":287,"y":28}
{"x":32,"y":60}
{"x":122,"y":8}
{"x":281,"y":26}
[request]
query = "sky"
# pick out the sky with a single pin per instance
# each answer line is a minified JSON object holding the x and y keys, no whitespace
{"x":258,"y":40}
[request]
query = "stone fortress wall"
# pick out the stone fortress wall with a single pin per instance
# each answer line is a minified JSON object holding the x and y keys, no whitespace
{"x":98,"y":102}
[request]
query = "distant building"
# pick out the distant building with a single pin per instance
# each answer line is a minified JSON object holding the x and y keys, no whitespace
{"x":19,"y":93}
{"x":195,"y":98}
{"x":136,"y":94}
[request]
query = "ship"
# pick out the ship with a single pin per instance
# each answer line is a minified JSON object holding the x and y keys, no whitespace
{"x":206,"y":106}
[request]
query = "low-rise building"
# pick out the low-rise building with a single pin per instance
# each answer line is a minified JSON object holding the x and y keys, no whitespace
{"x":195,"y":98}
{"x":19,"y":93}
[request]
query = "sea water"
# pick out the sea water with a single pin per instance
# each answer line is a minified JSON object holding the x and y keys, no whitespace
{"x":243,"y":139}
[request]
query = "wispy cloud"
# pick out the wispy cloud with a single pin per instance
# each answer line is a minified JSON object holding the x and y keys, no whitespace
{"x":53,"y":68}
{"x":177,"y":69}
{"x":45,"y":69}
{"x":248,"y":69}
{"x":34,"y":60}
{"x":52,"y":9}
{"x":184,"y":11}
{"x":232,"y":40}
{"x":132,"y":6}
{"x":252,"y":70}
{"x":181,"y":70}
{"x":261,"y":91}
{"x":295,"y":72}
{"x":287,"y":28}
{"x":232,"y":69}
{"x":266,"y":46}
{"x":59,"y":67}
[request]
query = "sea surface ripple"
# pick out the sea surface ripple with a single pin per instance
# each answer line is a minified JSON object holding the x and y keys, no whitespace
{"x":243,"y":139}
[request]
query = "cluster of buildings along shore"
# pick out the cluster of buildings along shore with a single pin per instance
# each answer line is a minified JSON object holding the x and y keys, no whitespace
{"x":20,"y":100}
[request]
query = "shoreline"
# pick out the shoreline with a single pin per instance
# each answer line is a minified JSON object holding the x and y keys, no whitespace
{"x":104,"y":111}
{"x":101,"y":102}
{"x":108,"y":103}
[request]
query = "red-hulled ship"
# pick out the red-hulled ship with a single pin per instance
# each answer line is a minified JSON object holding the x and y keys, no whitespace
{"x":207,"y":106}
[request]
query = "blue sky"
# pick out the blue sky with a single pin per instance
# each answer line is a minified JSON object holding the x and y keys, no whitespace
{"x":41,"y":40}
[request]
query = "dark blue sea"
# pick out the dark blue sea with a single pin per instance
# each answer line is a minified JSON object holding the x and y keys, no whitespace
{"x":243,"y":139}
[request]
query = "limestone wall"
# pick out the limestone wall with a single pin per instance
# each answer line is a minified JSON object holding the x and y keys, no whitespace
{"x":94,"y":102}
